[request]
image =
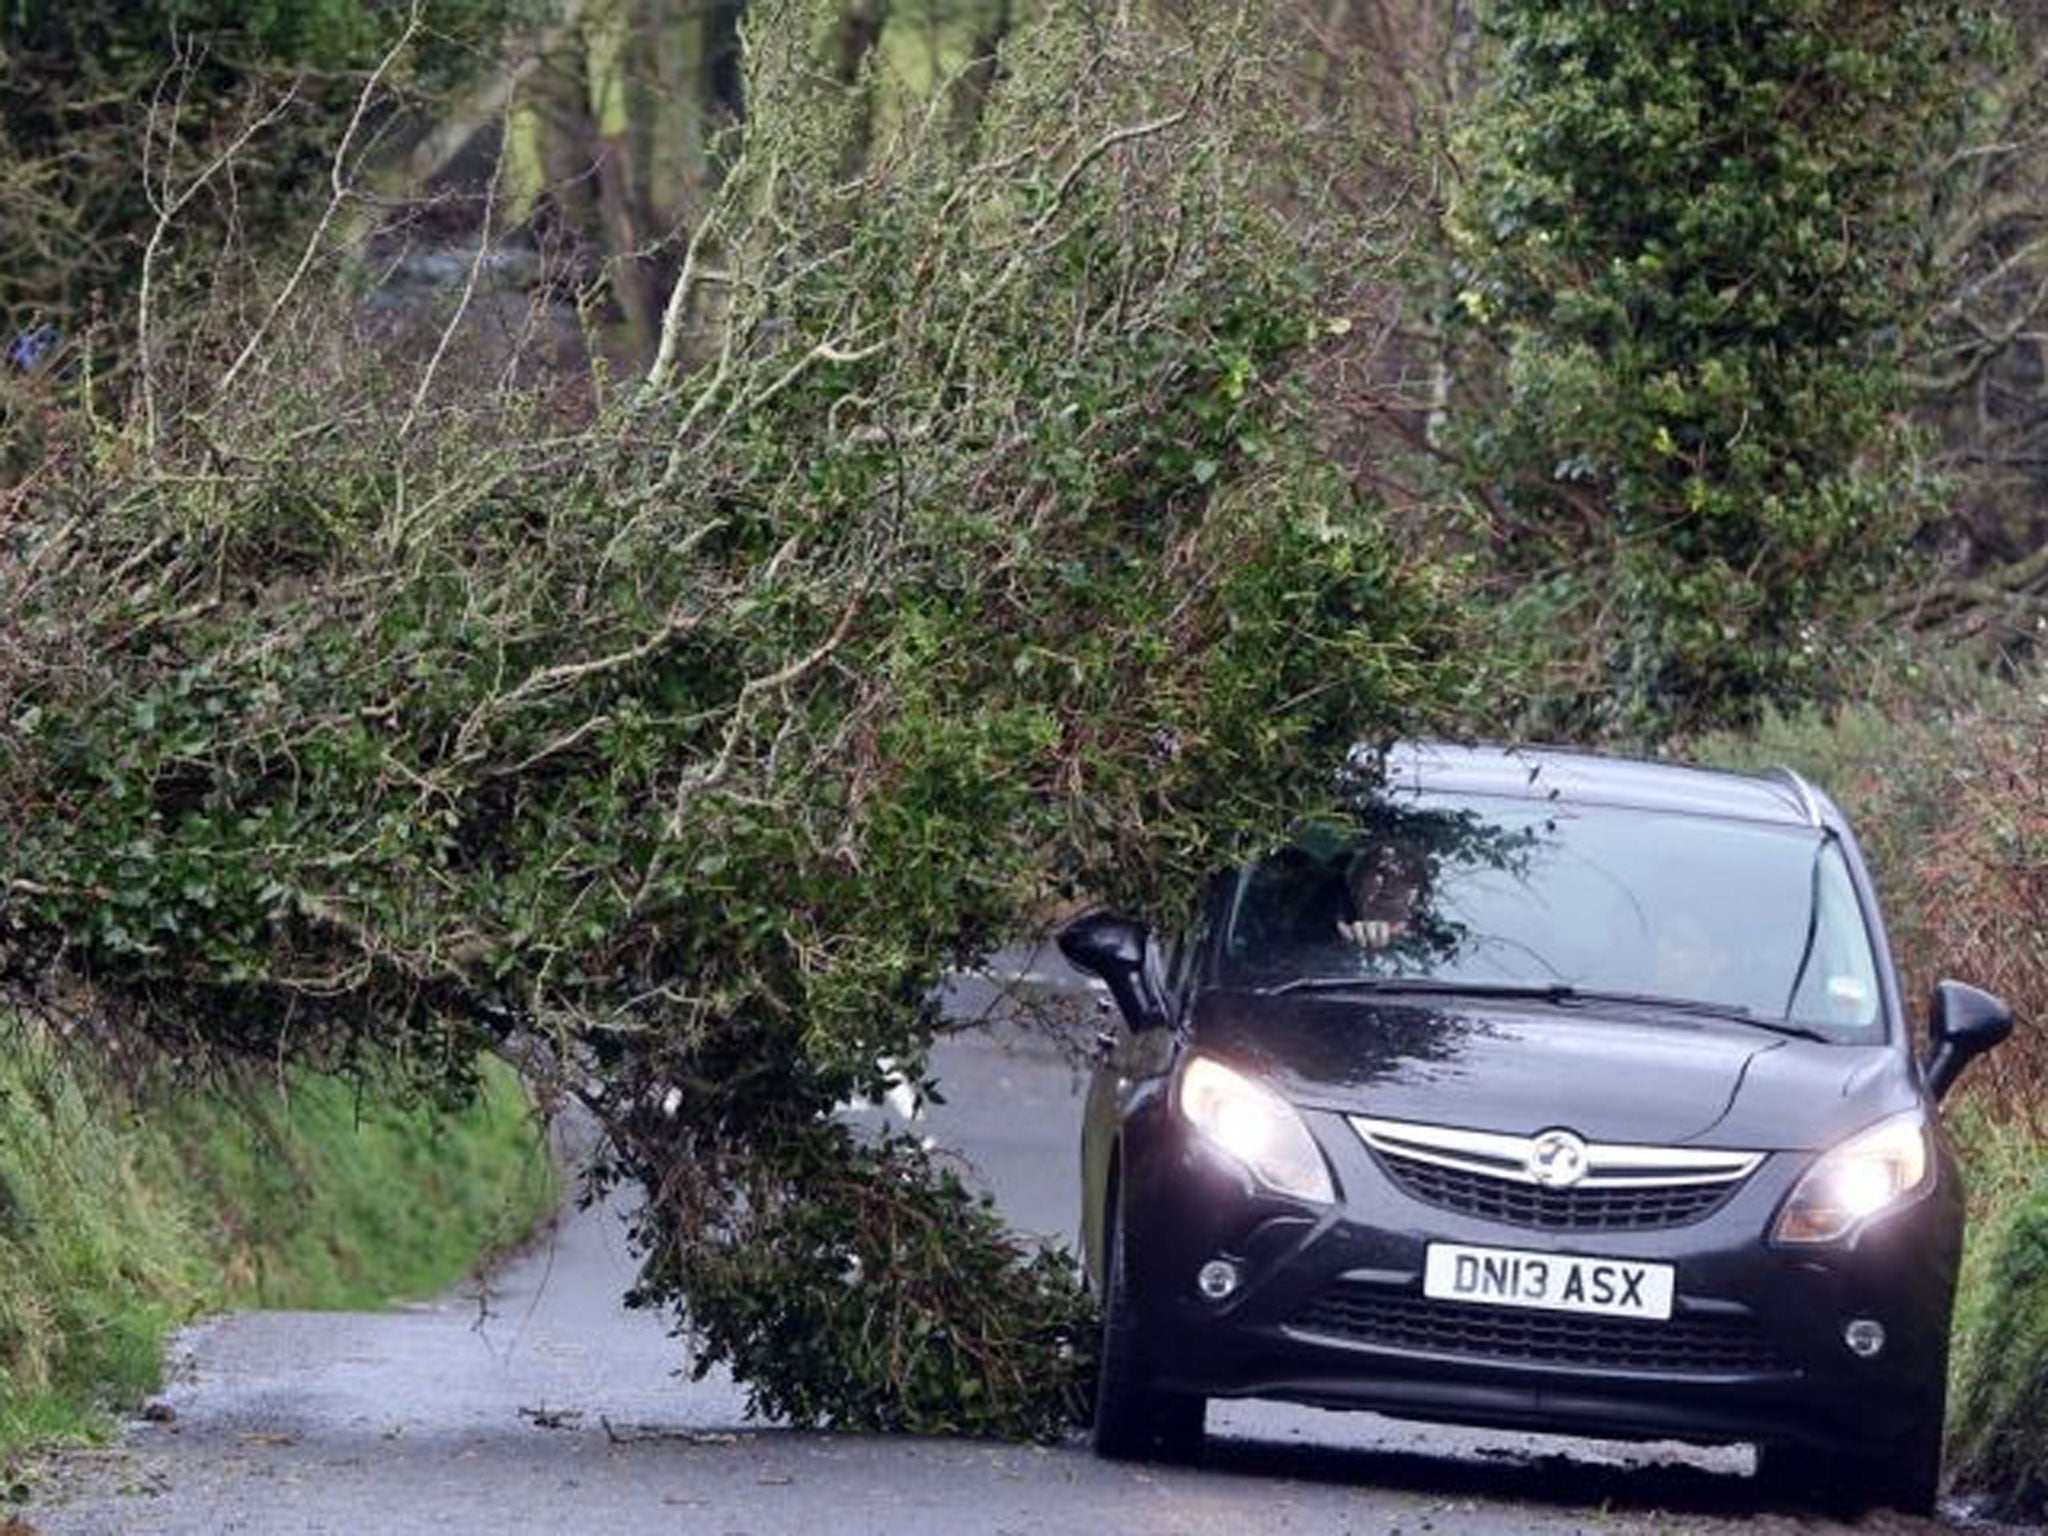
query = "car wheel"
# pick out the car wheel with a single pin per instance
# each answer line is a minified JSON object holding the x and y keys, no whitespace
{"x":1134,"y":1420}
{"x":1905,"y":1476}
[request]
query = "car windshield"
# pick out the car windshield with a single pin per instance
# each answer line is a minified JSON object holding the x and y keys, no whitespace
{"x":1733,"y":915}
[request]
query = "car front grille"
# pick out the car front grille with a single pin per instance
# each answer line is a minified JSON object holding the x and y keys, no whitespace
{"x":1678,"y":1347}
{"x":1511,"y":1179}
{"x":1622,"y":1208}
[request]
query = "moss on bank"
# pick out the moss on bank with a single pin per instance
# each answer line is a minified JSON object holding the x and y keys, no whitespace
{"x":122,"y":1216}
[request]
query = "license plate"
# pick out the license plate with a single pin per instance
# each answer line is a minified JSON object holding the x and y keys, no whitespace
{"x":1549,"y":1282}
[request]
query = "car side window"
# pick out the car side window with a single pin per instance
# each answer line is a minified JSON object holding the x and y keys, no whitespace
{"x":1839,"y":983}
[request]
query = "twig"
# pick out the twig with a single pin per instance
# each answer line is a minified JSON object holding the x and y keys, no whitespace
{"x":167,"y":211}
{"x":469,"y":286}
{"x":752,"y":689}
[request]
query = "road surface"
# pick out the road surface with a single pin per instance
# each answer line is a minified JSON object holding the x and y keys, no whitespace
{"x":540,"y":1404}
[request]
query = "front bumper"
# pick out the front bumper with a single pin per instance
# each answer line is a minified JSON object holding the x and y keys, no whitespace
{"x":1331,"y":1310}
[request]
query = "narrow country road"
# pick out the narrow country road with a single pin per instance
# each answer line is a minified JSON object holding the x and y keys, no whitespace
{"x":543,"y":1405}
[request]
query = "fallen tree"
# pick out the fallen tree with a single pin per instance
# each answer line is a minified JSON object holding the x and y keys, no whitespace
{"x":967,"y":551}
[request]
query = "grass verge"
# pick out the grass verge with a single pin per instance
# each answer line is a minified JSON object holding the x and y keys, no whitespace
{"x":123,"y":1215}
{"x":1998,"y":1414}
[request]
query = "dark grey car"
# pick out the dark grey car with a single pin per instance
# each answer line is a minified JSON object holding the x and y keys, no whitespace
{"x":1543,"y":1090}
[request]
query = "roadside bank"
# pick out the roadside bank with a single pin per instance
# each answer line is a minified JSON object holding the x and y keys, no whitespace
{"x":126,"y":1211}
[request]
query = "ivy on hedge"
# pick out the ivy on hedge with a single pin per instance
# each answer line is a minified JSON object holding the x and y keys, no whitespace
{"x":1690,"y":235}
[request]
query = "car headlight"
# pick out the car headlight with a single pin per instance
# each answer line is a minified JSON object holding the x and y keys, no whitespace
{"x":1865,"y":1175}
{"x":1257,"y":1127}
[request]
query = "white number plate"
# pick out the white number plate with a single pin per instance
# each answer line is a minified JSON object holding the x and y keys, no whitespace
{"x":1551,"y":1282}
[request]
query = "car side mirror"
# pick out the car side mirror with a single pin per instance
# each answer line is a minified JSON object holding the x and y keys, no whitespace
{"x":1963,"y":1022}
{"x":1118,"y":950}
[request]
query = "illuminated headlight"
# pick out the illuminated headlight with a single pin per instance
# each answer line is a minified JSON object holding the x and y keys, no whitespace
{"x":1865,"y":1175}
{"x":1257,"y":1127}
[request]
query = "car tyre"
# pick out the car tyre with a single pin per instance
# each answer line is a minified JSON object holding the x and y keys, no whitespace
{"x":1134,"y":1420}
{"x":1905,"y":1476}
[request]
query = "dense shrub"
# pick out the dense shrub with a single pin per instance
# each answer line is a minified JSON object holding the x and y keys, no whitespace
{"x":1981,"y":897}
{"x":1687,"y":242}
{"x":964,"y":554}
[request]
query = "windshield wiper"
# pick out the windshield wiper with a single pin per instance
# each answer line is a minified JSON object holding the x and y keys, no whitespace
{"x":1560,"y":993}
{"x":1428,"y":986}
{"x":1735,"y":1012}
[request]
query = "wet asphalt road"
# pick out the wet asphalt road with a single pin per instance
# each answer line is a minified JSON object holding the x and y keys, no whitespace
{"x":540,"y":1404}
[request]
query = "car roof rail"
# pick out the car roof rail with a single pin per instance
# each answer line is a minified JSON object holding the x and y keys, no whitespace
{"x":1807,"y":800}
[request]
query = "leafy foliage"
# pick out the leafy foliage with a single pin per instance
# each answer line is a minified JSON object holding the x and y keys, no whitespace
{"x":1690,"y":231}
{"x":965,"y":554}
{"x":871,"y":1290}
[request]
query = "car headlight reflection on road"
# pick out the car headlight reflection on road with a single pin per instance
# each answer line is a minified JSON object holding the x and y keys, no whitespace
{"x":1257,"y":1127}
{"x":1867,"y":1174}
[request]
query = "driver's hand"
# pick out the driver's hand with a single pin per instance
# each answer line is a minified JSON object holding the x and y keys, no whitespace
{"x":1371,"y":932}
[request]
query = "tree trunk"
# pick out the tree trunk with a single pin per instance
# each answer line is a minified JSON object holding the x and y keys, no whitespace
{"x":971,"y":92}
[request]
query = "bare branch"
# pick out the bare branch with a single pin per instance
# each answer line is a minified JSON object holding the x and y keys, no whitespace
{"x":171,"y":205}
{"x":338,"y":194}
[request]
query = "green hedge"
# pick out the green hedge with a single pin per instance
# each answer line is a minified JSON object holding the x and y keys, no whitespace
{"x":125,"y":1214}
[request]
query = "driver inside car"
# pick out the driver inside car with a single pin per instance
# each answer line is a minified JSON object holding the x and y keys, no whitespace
{"x":1384,"y":887}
